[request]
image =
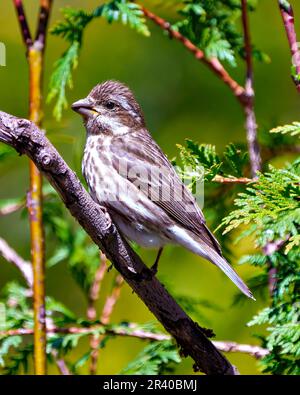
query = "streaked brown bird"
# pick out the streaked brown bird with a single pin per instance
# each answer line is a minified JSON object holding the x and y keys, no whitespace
{"x":129,"y":175}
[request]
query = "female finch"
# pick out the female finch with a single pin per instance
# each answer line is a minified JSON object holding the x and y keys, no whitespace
{"x":129,"y":175}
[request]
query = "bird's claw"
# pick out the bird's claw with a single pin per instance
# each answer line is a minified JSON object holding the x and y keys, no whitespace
{"x":107,"y":217}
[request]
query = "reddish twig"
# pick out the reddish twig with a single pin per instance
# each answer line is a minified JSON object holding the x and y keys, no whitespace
{"x":268,"y":250}
{"x":91,"y":312}
{"x":232,"y":180}
{"x":109,"y":304}
{"x":111,"y":300}
{"x":287,"y":14}
{"x":35,"y":55}
{"x":225,"y":346}
{"x":11,"y":256}
{"x":95,"y":288}
{"x":61,"y":364}
{"x":23,"y":23}
{"x":251,"y":126}
{"x":130,"y":331}
{"x":44,"y":13}
{"x":213,"y":63}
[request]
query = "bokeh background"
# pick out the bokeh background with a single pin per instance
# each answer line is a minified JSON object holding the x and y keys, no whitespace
{"x":181,"y":98}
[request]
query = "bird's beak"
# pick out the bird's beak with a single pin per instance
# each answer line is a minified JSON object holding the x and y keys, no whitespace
{"x":84,"y":107}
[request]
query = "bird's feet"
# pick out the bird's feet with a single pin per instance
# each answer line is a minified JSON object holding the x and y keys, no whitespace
{"x":107,"y":216}
{"x":154,"y":267}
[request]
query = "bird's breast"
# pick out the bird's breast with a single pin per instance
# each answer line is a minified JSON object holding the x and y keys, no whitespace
{"x":96,"y":167}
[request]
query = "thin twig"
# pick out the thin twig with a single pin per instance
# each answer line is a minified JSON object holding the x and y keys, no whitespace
{"x":269,"y":249}
{"x":255,"y":351}
{"x":130,"y":331}
{"x":111,"y":300}
{"x":225,"y":346}
{"x":13,"y":257}
{"x":232,"y":180}
{"x":11,"y":208}
{"x":212,"y":63}
{"x":44,"y":13}
{"x":251,"y":126}
{"x":287,"y":14}
{"x":60,"y":363}
{"x":244,"y":95}
{"x":23,"y":23}
{"x":35,"y":55}
{"x":109,"y":304}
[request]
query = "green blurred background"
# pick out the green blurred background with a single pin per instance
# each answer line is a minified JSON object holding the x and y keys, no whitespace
{"x":180,"y":98}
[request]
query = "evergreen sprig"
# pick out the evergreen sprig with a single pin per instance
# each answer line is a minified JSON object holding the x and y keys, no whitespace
{"x":156,"y":358}
{"x":71,"y":28}
{"x":270,"y":210}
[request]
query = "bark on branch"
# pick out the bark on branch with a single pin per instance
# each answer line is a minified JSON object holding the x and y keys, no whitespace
{"x":28,"y":139}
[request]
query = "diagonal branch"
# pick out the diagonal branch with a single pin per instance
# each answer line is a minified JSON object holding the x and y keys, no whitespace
{"x":23,"y":23}
{"x":28,"y":139}
{"x":213,"y":63}
{"x":11,"y":256}
{"x":287,"y":14}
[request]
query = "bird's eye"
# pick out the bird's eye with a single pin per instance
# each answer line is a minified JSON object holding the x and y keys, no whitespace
{"x":110,"y":105}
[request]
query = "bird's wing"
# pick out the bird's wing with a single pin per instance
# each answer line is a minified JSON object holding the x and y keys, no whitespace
{"x":139,"y":152}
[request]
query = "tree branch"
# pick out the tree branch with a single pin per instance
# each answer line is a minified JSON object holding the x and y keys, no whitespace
{"x":255,"y":351}
{"x":213,"y":63}
{"x":225,"y":346}
{"x":130,"y":332}
{"x":232,"y":180}
{"x":26,"y":138}
{"x":111,"y":300}
{"x":11,"y":208}
{"x":251,"y":126}
{"x":95,"y":288}
{"x":23,"y":23}
{"x":287,"y":15}
{"x":11,"y":256}
{"x":60,"y":363}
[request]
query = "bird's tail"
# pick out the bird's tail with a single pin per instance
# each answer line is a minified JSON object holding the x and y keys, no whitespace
{"x":199,"y":247}
{"x":219,"y":261}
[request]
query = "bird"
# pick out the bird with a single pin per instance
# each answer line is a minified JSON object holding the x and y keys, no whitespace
{"x":131,"y":178}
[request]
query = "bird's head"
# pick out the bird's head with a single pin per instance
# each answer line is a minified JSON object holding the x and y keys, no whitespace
{"x":110,"y":108}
